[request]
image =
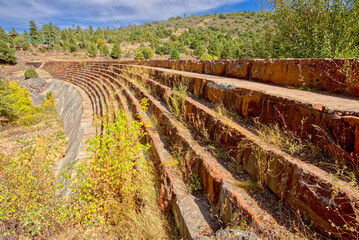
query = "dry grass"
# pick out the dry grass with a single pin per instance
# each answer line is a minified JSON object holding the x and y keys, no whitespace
{"x":284,"y":139}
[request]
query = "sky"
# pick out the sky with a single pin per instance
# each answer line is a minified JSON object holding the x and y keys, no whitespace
{"x":112,"y":13}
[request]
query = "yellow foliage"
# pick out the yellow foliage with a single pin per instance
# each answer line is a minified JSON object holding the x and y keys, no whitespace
{"x":21,"y":98}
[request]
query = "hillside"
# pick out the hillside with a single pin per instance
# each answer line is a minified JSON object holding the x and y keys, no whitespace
{"x":230,"y":35}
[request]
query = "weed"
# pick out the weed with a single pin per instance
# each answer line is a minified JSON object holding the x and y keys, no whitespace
{"x":285,"y":139}
{"x":200,"y":127}
{"x":49,"y":103}
{"x":344,"y":161}
{"x":195,"y":183}
{"x":154,"y":122}
{"x":246,"y":184}
{"x":262,"y":159}
{"x":115,"y":164}
{"x":176,"y":102}
{"x":348,"y":74}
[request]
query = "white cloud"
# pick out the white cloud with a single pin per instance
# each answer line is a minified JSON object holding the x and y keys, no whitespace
{"x":25,"y":9}
{"x":103,"y":12}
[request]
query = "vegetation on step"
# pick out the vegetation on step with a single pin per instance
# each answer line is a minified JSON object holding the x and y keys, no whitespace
{"x":30,"y":73}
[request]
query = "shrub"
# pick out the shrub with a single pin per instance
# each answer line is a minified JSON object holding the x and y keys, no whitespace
{"x":222,"y":16}
{"x":16,"y":104}
{"x":206,"y":56}
{"x":112,"y":172}
{"x":29,"y":202}
{"x":30,"y":73}
{"x":175,"y":55}
{"x":144,"y":53}
{"x":72,"y":47}
{"x":49,"y":103}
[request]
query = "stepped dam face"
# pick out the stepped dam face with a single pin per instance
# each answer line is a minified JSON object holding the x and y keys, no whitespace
{"x":214,"y":116}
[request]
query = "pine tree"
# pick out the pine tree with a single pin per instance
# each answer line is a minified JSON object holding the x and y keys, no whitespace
{"x":7,"y":55}
{"x":92,"y":50}
{"x":13,"y":31}
{"x":3,"y":36}
{"x":116,"y":51}
{"x":34,"y":34}
{"x":104,"y":50}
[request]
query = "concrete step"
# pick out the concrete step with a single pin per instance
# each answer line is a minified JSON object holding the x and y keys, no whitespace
{"x":331,"y":204}
{"x":223,"y":188}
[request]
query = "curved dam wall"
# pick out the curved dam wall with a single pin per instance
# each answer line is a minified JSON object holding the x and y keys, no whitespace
{"x":75,"y":109}
{"x":332,"y":75}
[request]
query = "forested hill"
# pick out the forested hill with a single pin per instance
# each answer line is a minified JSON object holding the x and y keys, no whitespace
{"x":301,"y":30}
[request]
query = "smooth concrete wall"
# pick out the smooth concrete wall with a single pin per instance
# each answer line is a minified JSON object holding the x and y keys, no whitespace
{"x":71,"y":104}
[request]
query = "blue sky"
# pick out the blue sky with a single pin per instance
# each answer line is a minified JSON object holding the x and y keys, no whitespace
{"x":112,"y":13}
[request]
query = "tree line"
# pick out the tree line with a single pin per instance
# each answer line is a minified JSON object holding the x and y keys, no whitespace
{"x":290,"y":29}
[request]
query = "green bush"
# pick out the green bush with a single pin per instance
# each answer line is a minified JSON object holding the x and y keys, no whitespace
{"x":206,"y":56}
{"x":112,"y":173}
{"x":29,"y":203}
{"x":144,"y":53}
{"x":175,"y":55}
{"x":30,"y":73}
{"x":72,"y":47}
{"x":16,"y":104}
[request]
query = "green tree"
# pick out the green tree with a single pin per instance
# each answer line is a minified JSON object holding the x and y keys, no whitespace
{"x":7,"y":55}
{"x":200,"y":50}
{"x":3,"y":36}
{"x":116,"y":51}
{"x":317,"y":28}
{"x":175,"y":55}
{"x":13,"y":31}
{"x":50,"y":33}
{"x":92,"y":50}
{"x":90,"y":30}
{"x":104,"y":50}
{"x":215,"y":48}
{"x":34,"y":34}
{"x":21,"y":42}
{"x":73,"y":47}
